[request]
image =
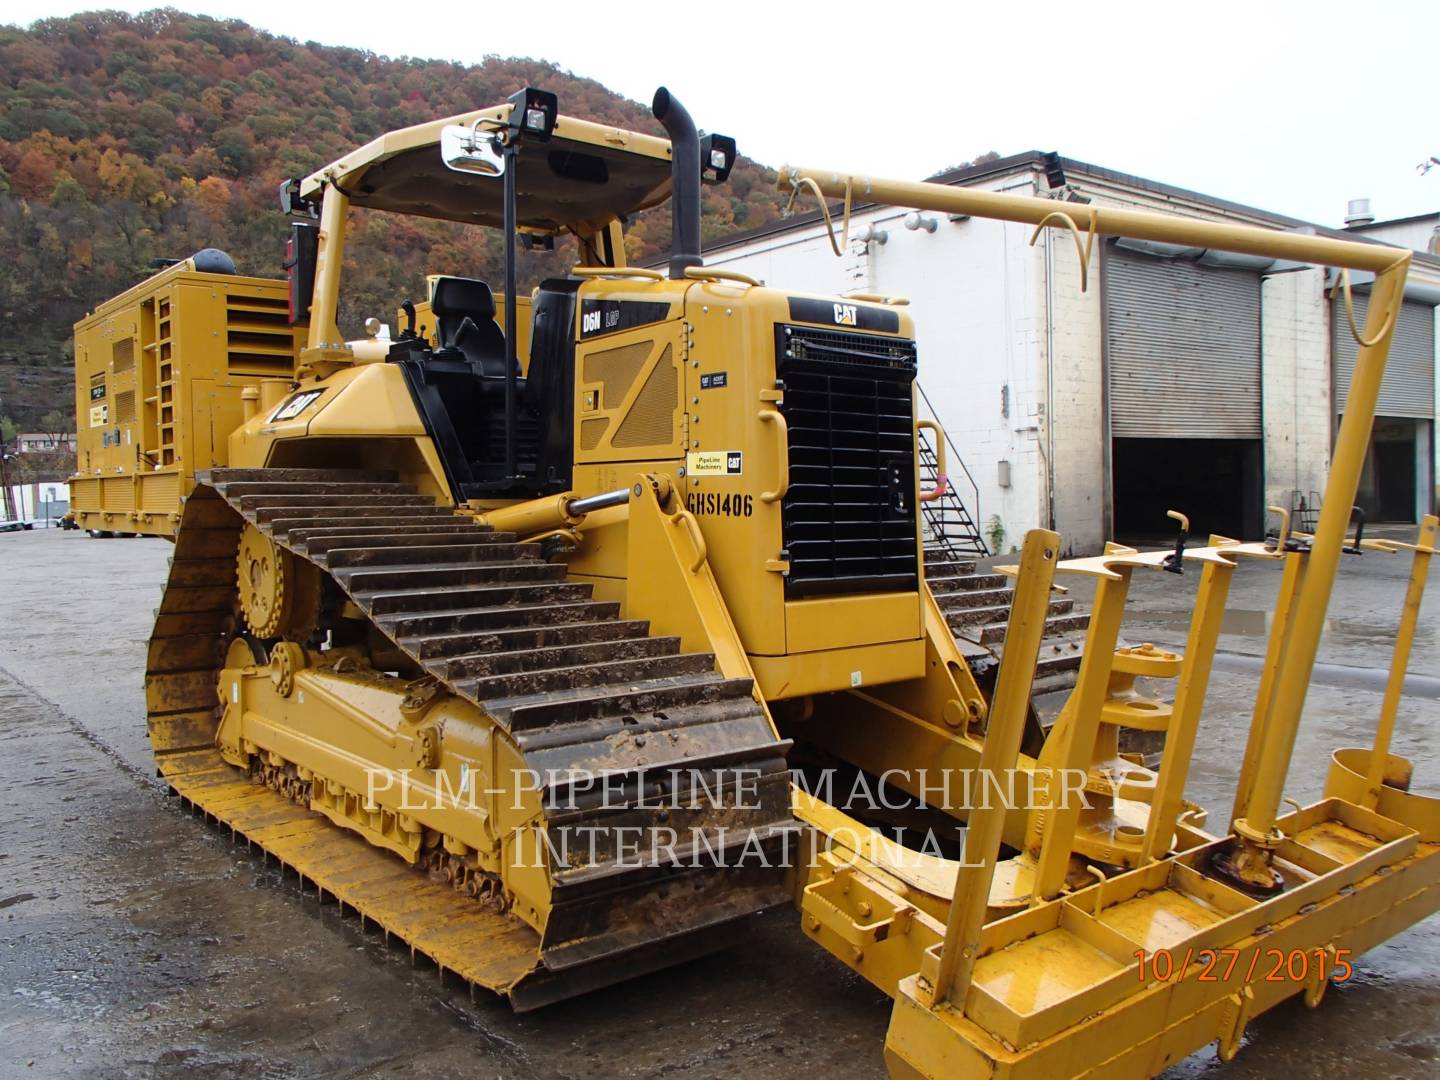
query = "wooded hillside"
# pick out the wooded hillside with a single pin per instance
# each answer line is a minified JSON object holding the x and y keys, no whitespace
{"x":129,"y":138}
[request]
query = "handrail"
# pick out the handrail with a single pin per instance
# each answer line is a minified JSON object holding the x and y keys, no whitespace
{"x":710,"y":273}
{"x":974,"y":487}
{"x":878,"y":298}
{"x":617,"y":272}
{"x":697,"y":537}
{"x":942,"y":481}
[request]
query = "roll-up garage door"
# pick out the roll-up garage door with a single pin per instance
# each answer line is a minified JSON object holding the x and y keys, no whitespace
{"x":1409,"y":385}
{"x":1182,"y":345}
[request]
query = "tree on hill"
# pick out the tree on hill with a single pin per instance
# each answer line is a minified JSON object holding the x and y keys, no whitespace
{"x":126,"y":138}
{"x":56,"y":425}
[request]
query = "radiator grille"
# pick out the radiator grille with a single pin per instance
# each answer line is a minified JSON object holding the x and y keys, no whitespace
{"x":849,"y":515}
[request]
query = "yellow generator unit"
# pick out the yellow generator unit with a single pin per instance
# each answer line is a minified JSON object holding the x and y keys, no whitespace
{"x":506,"y":632}
{"x":161,"y":374}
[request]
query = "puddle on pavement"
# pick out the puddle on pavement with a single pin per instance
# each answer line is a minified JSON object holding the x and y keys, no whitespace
{"x":1245,"y":622}
{"x":1236,"y":621}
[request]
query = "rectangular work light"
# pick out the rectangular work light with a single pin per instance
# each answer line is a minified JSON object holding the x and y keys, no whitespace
{"x":533,"y":114}
{"x":717,"y":158}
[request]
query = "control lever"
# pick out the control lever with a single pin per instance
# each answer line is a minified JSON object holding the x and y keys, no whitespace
{"x":408,"y":307}
{"x":1174,"y":563}
{"x":1358,"y":516}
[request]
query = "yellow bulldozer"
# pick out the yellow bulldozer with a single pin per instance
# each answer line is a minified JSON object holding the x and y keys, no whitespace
{"x":525,"y":631}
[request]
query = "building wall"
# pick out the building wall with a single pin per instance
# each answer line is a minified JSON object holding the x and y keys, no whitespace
{"x":30,"y":501}
{"x":975,"y":288}
{"x":33,"y":443}
{"x":1418,"y":234}
{"x":1076,"y":370}
{"x":801,"y":261}
{"x":1297,"y":408}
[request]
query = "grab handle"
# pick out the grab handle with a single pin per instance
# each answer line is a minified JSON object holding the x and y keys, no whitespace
{"x":770,"y":416}
{"x":697,"y":538}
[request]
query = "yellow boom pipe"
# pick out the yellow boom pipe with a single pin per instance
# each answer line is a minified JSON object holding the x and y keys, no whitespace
{"x":1102,"y":220}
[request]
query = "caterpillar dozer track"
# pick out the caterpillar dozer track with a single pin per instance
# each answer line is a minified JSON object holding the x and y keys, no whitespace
{"x":526,"y":633}
{"x":517,"y":674}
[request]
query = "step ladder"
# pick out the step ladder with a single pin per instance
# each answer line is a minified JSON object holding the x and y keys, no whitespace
{"x":948,"y":524}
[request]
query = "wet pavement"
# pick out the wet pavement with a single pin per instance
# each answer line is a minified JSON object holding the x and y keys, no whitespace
{"x":136,"y":941}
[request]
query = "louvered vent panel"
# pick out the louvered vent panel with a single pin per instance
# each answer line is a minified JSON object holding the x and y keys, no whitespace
{"x":159,"y":492}
{"x":85,"y":494}
{"x":849,"y":516}
{"x":259,"y":339}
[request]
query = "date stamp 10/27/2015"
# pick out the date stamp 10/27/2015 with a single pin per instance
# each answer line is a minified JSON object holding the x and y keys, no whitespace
{"x":1266,"y":965}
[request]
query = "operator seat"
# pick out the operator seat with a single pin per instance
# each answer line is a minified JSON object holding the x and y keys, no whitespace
{"x":464,"y":310}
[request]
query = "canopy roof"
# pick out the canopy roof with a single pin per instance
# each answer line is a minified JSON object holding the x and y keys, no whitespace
{"x":585,"y":176}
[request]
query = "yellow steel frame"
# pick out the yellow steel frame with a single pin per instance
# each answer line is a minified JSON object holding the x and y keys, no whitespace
{"x":326,"y":349}
{"x":1060,"y":986}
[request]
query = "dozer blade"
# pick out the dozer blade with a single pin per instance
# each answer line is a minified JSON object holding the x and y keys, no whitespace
{"x":557,"y":677}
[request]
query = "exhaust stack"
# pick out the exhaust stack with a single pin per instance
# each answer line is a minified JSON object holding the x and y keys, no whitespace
{"x":684,"y":182}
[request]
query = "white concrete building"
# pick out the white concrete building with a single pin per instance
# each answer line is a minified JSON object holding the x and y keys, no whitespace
{"x":35,"y":442}
{"x":1199,"y":380}
{"x":1418,"y":233}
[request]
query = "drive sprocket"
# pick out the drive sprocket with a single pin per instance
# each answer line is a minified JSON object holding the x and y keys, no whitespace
{"x":279,"y":595}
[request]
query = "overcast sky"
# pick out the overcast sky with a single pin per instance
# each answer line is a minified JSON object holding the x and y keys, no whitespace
{"x":1275,"y":104}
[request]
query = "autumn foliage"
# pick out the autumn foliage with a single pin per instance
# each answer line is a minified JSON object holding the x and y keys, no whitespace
{"x":124,"y":139}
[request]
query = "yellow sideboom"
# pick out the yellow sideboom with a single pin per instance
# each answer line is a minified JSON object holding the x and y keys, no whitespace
{"x":1117,"y":936}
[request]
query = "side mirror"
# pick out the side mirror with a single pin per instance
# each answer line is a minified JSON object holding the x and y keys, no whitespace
{"x":465,"y":148}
